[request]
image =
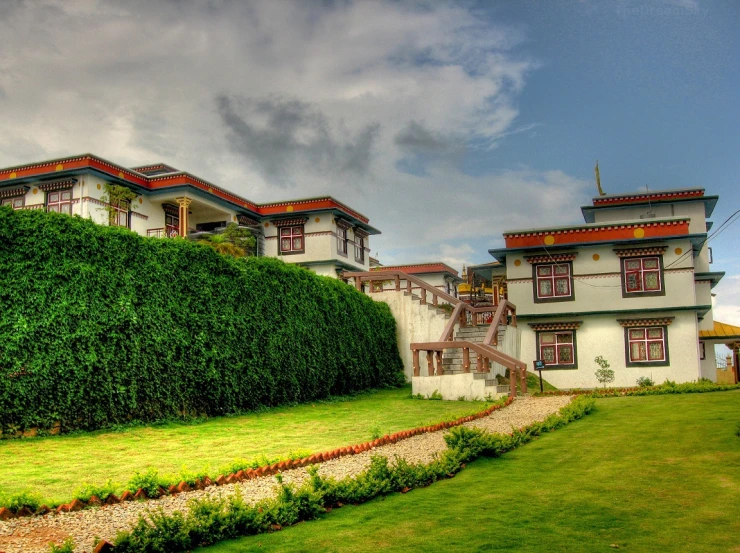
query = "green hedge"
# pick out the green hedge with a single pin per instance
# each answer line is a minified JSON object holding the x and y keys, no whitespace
{"x":100,"y":326}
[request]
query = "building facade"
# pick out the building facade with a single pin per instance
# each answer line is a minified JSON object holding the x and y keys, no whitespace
{"x":321,"y":234}
{"x":437,"y":274}
{"x":632,"y":285}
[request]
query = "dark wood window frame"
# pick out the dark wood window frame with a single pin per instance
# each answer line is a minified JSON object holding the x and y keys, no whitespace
{"x":17,"y":202}
{"x":55,"y":199}
{"x":294,"y":232}
{"x":629,"y":340}
{"x":558,"y":346}
{"x":537,"y":277}
{"x":642,"y":272}
{"x":342,"y":241}
{"x":360,"y":249}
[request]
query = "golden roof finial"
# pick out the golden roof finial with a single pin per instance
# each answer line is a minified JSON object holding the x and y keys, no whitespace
{"x":598,"y":179}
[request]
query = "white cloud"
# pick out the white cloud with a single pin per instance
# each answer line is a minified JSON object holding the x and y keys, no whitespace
{"x":275,"y":100}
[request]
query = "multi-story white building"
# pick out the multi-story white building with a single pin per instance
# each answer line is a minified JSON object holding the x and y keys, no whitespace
{"x":632,"y":285}
{"x":322,"y":234}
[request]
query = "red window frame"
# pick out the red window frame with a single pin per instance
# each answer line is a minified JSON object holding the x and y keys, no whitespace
{"x":638,"y":272}
{"x":360,"y":249}
{"x":553,"y":274}
{"x":59,"y":201}
{"x":341,"y":240}
{"x":16,"y":203}
{"x":642,"y":341}
{"x":291,"y":239}
{"x":554,"y":346}
{"x":171,"y":225}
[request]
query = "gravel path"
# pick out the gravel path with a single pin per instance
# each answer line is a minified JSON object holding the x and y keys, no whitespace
{"x":32,"y":534}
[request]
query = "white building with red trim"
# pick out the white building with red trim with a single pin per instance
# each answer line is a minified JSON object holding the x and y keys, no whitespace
{"x":322,"y":234}
{"x":632,"y":284}
{"x":438,"y":274}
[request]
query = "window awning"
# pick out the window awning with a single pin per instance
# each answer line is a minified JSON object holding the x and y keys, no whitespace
{"x":14,"y":192}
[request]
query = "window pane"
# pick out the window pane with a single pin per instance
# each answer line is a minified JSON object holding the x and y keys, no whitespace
{"x":54,"y":208}
{"x":53,"y":196}
{"x":285,"y":244}
{"x":565,"y":354}
{"x":18,"y":202}
{"x":545,"y":270}
{"x":654,"y":333}
{"x":632,"y":264}
{"x":633,"y":282}
{"x":66,"y":208}
{"x":565,"y":338}
{"x":562,"y":270}
{"x":547,"y":338}
{"x":655,"y":351}
{"x":297,"y":243}
{"x":285,"y":231}
{"x":545,"y":287}
{"x":650,"y":263}
{"x":66,"y":195}
{"x":637,"y":333}
{"x":562,"y":287}
{"x":637,"y":351}
{"x":298,"y":231}
{"x":652,"y":282}
{"x":548,"y":354}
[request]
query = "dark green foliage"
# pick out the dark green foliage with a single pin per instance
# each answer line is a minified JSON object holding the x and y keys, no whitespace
{"x":101,"y":326}
{"x":212,"y":520}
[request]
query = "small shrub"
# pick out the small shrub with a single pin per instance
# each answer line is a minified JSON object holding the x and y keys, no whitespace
{"x":67,"y":547}
{"x":148,"y":481}
{"x":645,"y":381}
{"x":17,"y":501}
{"x":436,"y":395}
{"x":604,"y":374}
{"x":87,"y":490}
{"x":375,"y":432}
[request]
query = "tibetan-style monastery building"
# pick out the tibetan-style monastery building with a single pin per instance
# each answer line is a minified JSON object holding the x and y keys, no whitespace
{"x":632,"y":284}
{"x":322,"y":234}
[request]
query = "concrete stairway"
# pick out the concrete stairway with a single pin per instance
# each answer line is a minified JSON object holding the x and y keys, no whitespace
{"x":452,"y":358}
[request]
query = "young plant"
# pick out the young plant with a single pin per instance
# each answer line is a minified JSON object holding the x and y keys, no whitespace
{"x":604,"y":374}
{"x":645,"y":381}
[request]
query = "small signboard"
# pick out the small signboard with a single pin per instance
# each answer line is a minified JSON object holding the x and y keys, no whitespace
{"x":539,"y":365}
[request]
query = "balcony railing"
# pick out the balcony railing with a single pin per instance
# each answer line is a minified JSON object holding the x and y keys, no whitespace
{"x":162,"y":233}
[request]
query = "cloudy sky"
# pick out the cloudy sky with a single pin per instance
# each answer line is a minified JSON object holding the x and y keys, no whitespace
{"x":444,"y":122}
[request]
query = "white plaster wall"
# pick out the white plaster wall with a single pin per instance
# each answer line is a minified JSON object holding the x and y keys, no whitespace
{"x":709,"y":364}
{"x":414,"y":323}
{"x":601,"y":335}
{"x":453,"y":387}
{"x":511,"y":344}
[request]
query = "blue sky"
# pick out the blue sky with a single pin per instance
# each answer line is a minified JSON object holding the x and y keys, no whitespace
{"x":446,"y":123}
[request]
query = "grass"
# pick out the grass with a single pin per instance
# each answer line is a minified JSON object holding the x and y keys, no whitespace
{"x":643,"y":474}
{"x":57,"y":466}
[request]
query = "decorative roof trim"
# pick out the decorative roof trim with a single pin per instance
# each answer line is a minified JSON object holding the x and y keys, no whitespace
{"x":290,"y":222}
{"x":170,"y":209}
{"x":568,"y":325}
{"x":57,"y":185}
{"x":554,"y":258}
{"x":14,"y":192}
{"x":342,"y":223}
{"x":595,"y":228}
{"x":655,"y":196}
{"x":662,"y":321}
{"x":637,"y":252}
{"x":246,"y":221}
{"x":360,"y":233}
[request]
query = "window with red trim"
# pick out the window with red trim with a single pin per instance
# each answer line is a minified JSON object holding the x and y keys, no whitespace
{"x":119,"y":217}
{"x":59,"y":201}
{"x":171,"y":225}
{"x":291,"y":239}
{"x":553,"y":281}
{"x":642,"y":274}
{"x":557,"y":348}
{"x":646,"y":344}
{"x":15,"y":203}
{"x":341,"y":240}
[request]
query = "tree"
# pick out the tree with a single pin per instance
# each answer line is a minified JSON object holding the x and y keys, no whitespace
{"x":604,"y":374}
{"x":117,"y":197}
{"x":233,"y":241}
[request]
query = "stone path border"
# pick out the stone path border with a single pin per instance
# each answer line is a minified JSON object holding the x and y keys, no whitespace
{"x":32,"y":534}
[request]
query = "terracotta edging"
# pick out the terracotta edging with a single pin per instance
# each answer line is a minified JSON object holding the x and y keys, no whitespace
{"x":248,"y":474}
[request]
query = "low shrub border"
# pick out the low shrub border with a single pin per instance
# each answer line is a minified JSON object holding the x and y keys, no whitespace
{"x":150,"y":485}
{"x":209,"y":521}
{"x":668,"y":387}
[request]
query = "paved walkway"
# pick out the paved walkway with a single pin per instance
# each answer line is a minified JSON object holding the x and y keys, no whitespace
{"x":32,"y":534}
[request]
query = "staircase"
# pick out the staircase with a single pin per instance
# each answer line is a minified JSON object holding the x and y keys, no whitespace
{"x":452,"y":359}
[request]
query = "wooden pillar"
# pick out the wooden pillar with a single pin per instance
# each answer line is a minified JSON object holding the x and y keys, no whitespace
{"x":434,"y":300}
{"x":184,"y":203}
{"x":440,"y":368}
{"x":479,"y":367}
{"x":417,"y":372}
{"x":398,"y":283}
{"x":523,"y":382}
{"x":423,"y":296}
{"x":512,"y":382}
{"x":466,"y":360}
{"x":430,"y":363}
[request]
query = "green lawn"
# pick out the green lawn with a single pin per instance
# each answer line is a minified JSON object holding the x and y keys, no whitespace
{"x":56,"y":466}
{"x":641,"y":474}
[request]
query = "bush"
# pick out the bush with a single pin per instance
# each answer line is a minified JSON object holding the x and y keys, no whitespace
{"x":101,"y":326}
{"x":645,"y":381}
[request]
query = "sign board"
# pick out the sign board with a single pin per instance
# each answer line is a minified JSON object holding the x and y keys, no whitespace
{"x":539,"y":365}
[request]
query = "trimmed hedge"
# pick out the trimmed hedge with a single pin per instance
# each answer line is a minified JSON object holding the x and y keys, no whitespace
{"x":101,"y":326}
